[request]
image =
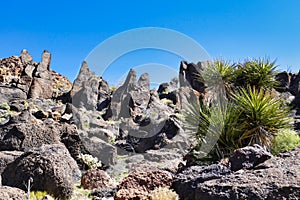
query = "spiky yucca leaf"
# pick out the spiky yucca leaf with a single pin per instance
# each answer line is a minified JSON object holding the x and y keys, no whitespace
{"x":259,"y":73}
{"x":261,"y":116}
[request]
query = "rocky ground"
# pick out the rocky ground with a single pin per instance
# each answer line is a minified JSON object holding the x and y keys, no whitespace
{"x":48,"y":125}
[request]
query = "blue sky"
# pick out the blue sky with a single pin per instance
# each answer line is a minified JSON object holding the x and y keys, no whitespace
{"x":232,"y":30}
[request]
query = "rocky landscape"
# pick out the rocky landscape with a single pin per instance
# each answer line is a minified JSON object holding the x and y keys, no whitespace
{"x":50,"y":127}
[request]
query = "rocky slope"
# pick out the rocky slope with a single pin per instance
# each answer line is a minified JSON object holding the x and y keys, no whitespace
{"x":47,"y":125}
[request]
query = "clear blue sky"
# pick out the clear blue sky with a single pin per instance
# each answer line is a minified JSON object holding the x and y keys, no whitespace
{"x":233,"y":30}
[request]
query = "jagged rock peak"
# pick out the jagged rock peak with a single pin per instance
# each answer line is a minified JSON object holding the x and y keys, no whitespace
{"x":26,"y":58}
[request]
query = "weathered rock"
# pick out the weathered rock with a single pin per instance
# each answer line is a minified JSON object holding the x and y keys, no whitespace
{"x":294,"y":86}
{"x":276,"y":178}
{"x":7,"y":157}
{"x":121,"y":97}
{"x":61,"y":86}
{"x":248,"y":157}
{"x":186,"y":96}
{"x":70,"y":137}
{"x":33,"y":79}
{"x":42,"y":82}
{"x":51,"y":167}
{"x":7,"y":93}
{"x":96,"y":179}
{"x":90,"y":91}
{"x":140,"y":184}
{"x":41,"y":88}
{"x":11,"y":193}
{"x":189,"y":75}
{"x":103,"y":100}
{"x":141,"y":94}
{"x":168,"y":87}
{"x":144,"y":127}
{"x":284,"y":81}
{"x":84,"y":75}
{"x":87,"y":97}
{"x":104,"y":151}
{"x":185,"y":182}
{"x":23,"y":136}
{"x":26,"y":58}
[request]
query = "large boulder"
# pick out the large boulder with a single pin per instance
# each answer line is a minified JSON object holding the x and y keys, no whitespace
{"x":7,"y":157}
{"x":276,"y":178}
{"x":186,"y":181}
{"x":22,"y":136}
{"x":11,"y":193}
{"x":96,"y":179}
{"x":104,"y":151}
{"x":248,"y":157}
{"x":139,"y":184}
{"x":50,"y":166}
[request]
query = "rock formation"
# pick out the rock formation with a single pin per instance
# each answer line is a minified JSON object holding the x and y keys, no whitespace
{"x":47,"y":124}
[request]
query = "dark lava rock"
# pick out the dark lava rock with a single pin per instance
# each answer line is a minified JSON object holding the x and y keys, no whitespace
{"x":11,"y":193}
{"x":185,"y":183}
{"x":276,"y":178}
{"x":7,"y":157}
{"x":51,"y":167}
{"x":140,"y":183}
{"x":96,"y":179}
{"x":248,"y":157}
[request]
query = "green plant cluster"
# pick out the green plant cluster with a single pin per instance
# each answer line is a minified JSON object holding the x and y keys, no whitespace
{"x":285,"y":140}
{"x":38,"y":195}
{"x":90,"y":161}
{"x":252,"y":113}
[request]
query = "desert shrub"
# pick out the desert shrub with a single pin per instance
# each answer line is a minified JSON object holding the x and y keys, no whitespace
{"x":252,"y":116}
{"x":285,"y":140}
{"x":90,"y":161}
{"x":163,"y":194}
{"x":38,"y":195}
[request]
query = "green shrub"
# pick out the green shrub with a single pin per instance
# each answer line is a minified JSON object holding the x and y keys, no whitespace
{"x":38,"y":195}
{"x":259,"y":73}
{"x":285,"y":140}
{"x":252,"y":116}
{"x":90,"y":161}
{"x":261,"y":115}
{"x":163,"y":194}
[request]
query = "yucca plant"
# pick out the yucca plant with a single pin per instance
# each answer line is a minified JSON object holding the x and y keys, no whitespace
{"x":227,"y":72}
{"x":261,"y":116}
{"x":207,"y":123}
{"x":218,"y":75}
{"x":252,"y":116}
{"x":259,"y":73}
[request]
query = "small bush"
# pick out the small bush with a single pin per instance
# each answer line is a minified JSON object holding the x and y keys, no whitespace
{"x":90,"y":161}
{"x":285,"y":140}
{"x":38,"y":195}
{"x":163,"y":194}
